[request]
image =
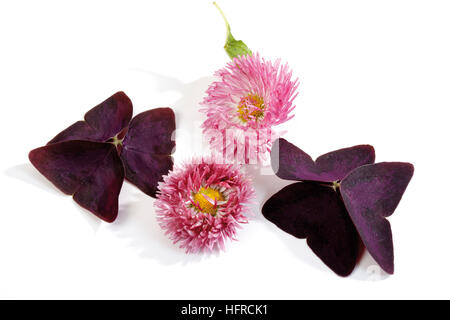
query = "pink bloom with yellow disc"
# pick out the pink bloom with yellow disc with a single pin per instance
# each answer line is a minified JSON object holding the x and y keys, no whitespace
{"x":251,"y":96}
{"x":202,"y":203}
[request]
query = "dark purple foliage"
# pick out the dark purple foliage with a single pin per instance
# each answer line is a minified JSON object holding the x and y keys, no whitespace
{"x":147,"y":148}
{"x":316,"y":212}
{"x":102,"y":122}
{"x":342,"y":183}
{"x":371,"y":193}
{"x":90,"y":159}
{"x":90,"y":171}
{"x":291,"y":163}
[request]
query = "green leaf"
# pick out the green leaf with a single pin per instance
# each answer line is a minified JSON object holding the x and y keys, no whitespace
{"x":234,"y":48}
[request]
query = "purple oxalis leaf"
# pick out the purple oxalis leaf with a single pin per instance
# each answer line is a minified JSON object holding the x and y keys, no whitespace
{"x":91,"y":158}
{"x":371,"y":193}
{"x":102,"y":122}
{"x":147,"y":148}
{"x":315,"y":212}
{"x":90,"y":171}
{"x":367,"y":192}
{"x":291,"y":163}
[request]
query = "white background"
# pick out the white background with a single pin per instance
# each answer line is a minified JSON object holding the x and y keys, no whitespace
{"x":374,"y":72}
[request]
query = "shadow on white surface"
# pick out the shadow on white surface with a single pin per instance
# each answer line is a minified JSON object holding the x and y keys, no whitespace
{"x":188,"y":135}
{"x":368,"y":270}
{"x":266,"y":184}
{"x":137,"y":224}
{"x":28,"y":174}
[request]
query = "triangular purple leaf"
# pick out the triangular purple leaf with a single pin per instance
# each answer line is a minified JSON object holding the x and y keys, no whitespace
{"x":291,"y":163}
{"x":316,"y":212}
{"x":90,"y":171}
{"x":147,"y":148}
{"x":102,"y":122}
{"x":371,"y":193}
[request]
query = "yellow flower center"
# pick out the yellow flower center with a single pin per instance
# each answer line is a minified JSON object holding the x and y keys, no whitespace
{"x":251,"y":106}
{"x":206,"y":199}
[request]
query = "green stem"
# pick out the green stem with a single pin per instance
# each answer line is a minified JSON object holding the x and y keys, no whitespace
{"x":234,"y":48}
{"x":223,"y":16}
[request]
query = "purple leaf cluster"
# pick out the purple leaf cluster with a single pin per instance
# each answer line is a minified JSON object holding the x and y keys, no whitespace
{"x":90,"y":159}
{"x":341,"y":201}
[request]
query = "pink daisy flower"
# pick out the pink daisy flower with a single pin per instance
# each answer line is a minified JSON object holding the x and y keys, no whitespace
{"x":202,"y":203}
{"x":251,"y":97}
